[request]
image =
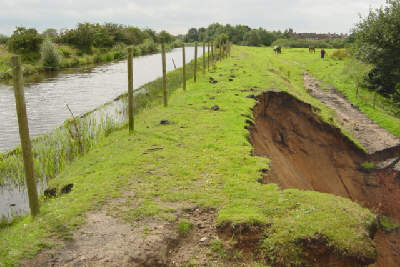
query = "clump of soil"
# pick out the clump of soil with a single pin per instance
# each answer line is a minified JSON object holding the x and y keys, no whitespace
{"x":309,"y":154}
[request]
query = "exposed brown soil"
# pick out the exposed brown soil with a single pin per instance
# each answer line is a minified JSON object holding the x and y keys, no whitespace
{"x":309,"y":154}
{"x":107,"y":241}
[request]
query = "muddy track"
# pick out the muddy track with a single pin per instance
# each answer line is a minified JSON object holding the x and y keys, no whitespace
{"x":107,"y":241}
{"x":309,"y":154}
{"x":380,"y":144}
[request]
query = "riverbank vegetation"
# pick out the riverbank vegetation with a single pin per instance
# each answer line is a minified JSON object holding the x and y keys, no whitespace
{"x":204,"y":160}
{"x":84,"y":45}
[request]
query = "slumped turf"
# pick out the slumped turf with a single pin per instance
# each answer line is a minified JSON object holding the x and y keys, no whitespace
{"x":202,"y":157}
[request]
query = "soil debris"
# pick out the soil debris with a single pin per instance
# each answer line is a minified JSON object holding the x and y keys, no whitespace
{"x":212,"y":80}
{"x":66,"y":189}
{"x":215,"y":108}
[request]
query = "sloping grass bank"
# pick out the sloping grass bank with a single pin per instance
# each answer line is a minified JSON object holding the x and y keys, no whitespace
{"x":201,"y":157}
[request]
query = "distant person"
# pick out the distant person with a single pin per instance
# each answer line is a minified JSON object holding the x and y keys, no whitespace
{"x":323,"y":52}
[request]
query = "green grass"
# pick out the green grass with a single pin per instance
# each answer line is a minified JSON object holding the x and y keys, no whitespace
{"x":201,"y":158}
{"x":184,"y":227}
{"x":388,"y":224}
{"x":368,"y":165}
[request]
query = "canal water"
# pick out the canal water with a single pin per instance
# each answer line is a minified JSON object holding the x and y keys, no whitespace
{"x":83,"y":91}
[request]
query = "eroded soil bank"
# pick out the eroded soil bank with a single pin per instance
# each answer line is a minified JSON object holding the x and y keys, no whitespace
{"x":307,"y":153}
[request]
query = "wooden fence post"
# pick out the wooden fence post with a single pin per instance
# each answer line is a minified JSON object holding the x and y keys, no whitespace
{"x":130,"y":90}
{"x":183,"y":67}
{"x":208,"y":56}
{"x":212,"y":51}
{"x":220,"y":51}
{"x":24,"y":135}
{"x":204,"y":58}
{"x":164,"y":77}
{"x":195,"y":62}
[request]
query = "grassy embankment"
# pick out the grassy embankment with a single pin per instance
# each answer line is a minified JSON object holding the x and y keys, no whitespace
{"x":333,"y":71}
{"x":203,"y":159}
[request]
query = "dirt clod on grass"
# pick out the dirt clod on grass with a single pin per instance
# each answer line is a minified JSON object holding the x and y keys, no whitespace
{"x":309,"y":154}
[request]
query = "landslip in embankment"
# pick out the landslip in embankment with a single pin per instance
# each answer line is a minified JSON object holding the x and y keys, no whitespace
{"x":307,"y":153}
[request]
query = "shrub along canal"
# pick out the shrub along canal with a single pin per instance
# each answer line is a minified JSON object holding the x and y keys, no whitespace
{"x":83,"y":91}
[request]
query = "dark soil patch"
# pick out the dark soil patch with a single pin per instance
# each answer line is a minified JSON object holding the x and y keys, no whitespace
{"x":309,"y":154}
{"x":317,"y":252}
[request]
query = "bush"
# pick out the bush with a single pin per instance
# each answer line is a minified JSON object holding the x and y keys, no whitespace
{"x":148,"y":46}
{"x":3,"y":38}
{"x":24,"y":41}
{"x":377,"y":42}
{"x":83,"y":37}
{"x":184,"y":227}
{"x":339,"y":54}
{"x":177,"y":43}
{"x":66,"y":52}
{"x":50,"y":57}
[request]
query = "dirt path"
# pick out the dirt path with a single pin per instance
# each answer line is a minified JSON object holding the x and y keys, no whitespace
{"x":108,"y":241}
{"x":368,"y":133}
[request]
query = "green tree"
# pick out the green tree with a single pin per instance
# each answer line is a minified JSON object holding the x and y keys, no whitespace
{"x":134,"y":36}
{"x":24,"y":41}
{"x":3,"y":38}
{"x":82,"y":37}
{"x":151,"y":34}
{"x":50,"y":33}
{"x":252,"y":38}
{"x":377,"y":41}
{"x":165,"y":37}
{"x":192,"y":35}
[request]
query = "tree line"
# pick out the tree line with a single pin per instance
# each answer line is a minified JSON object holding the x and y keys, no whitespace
{"x":244,"y":35}
{"x":85,"y":37}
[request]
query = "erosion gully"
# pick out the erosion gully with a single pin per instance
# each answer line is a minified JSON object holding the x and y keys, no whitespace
{"x":83,"y":91}
{"x":309,"y":154}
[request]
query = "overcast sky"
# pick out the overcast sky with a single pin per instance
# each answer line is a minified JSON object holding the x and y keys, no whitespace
{"x":176,"y":16}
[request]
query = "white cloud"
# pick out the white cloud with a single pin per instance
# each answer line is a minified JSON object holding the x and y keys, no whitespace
{"x":177,"y":16}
